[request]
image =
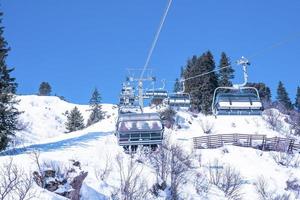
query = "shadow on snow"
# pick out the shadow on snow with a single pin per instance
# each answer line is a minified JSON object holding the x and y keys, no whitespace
{"x":79,"y":141}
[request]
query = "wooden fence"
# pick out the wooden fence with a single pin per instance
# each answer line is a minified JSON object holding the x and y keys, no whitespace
{"x":247,"y":140}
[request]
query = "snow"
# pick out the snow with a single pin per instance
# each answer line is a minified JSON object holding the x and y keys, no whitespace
{"x":93,"y":146}
{"x":44,"y":117}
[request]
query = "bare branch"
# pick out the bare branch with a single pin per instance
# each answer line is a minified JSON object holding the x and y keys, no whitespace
{"x":15,"y":184}
{"x":132,"y":185}
{"x":103,"y":174}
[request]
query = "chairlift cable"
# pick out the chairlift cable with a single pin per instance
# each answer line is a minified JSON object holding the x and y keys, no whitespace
{"x":276,"y":44}
{"x":156,"y":38}
{"x":203,"y":74}
{"x":259,"y":52}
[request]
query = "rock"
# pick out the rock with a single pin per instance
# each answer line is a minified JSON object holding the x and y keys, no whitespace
{"x":76,"y":185}
{"x":37,"y":178}
{"x":49,"y":173}
{"x":52,"y":185}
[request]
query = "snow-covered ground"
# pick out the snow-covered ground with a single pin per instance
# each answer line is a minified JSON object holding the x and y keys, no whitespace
{"x":44,"y":117}
{"x":94,"y":146}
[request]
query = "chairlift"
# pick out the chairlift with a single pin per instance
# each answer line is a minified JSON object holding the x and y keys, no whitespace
{"x":159,"y":93}
{"x":139,"y":129}
{"x":179,"y":99}
{"x":129,"y":109}
{"x":156,"y":94}
{"x":238,"y":99}
{"x":127,"y":95}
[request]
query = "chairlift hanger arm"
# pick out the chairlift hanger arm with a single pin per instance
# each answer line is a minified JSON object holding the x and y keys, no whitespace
{"x":243,"y":61}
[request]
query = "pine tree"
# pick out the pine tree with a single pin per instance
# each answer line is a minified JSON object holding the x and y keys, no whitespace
{"x":177,"y":86}
{"x":210,"y":83}
{"x":45,"y":89}
{"x":96,"y":109}
{"x":8,"y":112}
{"x":181,"y":72}
{"x":297,"y":101}
{"x":201,"y":88}
{"x":226,"y":72}
{"x":192,"y":86}
{"x":283,"y":97}
{"x":263,"y":90}
{"x":75,"y":120}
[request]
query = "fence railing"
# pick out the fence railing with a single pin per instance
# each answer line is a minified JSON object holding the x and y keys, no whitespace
{"x":247,"y":140}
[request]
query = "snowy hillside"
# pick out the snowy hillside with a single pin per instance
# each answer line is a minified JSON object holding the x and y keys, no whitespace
{"x":197,"y":125}
{"x":96,"y":148}
{"x":44,"y":117}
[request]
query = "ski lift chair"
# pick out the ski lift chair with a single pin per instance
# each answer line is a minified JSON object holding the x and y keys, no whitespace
{"x":127,"y":95}
{"x":134,"y":129}
{"x":179,"y":100}
{"x":238,"y":99}
{"x":130,"y":109}
{"x":156,"y":94}
{"x":232,"y":101}
{"x":160,"y":93}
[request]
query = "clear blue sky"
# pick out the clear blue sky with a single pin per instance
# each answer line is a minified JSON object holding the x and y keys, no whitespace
{"x":78,"y":45}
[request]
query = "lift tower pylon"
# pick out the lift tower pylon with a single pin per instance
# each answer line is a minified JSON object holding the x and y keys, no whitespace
{"x":140,"y":81}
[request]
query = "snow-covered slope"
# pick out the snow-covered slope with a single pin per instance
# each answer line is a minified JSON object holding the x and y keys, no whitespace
{"x":44,"y":116}
{"x":195,"y":125}
{"x":96,"y":145}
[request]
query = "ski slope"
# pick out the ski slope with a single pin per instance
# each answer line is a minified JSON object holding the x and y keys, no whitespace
{"x":44,"y":120}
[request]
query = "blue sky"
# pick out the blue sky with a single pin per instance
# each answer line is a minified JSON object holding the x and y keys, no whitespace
{"x":78,"y":45}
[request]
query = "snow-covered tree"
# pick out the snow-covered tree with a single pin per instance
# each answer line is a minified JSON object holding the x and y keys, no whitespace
{"x":8,"y":112}
{"x":45,"y":89}
{"x":96,"y":109}
{"x":75,"y":120}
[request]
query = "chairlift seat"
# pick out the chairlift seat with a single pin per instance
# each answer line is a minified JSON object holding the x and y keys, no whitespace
{"x":237,"y":103}
{"x":179,"y":100}
{"x":139,"y":129}
{"x":156,"y":93}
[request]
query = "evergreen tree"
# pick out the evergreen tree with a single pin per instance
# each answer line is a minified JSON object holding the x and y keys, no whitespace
{"x":192,"y":86}
{"x":75,"y":120}
{"x":8,"y":112}
{"x":226,"y":72}
{"x":201,"y":88}
{"x":96,"y":109}
{"x":283,"y":97}
{"x":297,"y":101}
{"x":45,"y":89}
{"x":177,"y":86}
{"x":181,"y":72}
{"x":263,"y":90}
{"x":210,"y":83}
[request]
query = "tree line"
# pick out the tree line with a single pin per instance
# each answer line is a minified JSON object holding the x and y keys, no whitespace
{"x":201,"y":88}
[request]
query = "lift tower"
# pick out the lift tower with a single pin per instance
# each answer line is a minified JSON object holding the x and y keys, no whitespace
{"x":139,"y":80}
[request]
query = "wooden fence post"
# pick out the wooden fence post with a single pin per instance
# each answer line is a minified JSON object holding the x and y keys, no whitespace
{"x":263,"y":143}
